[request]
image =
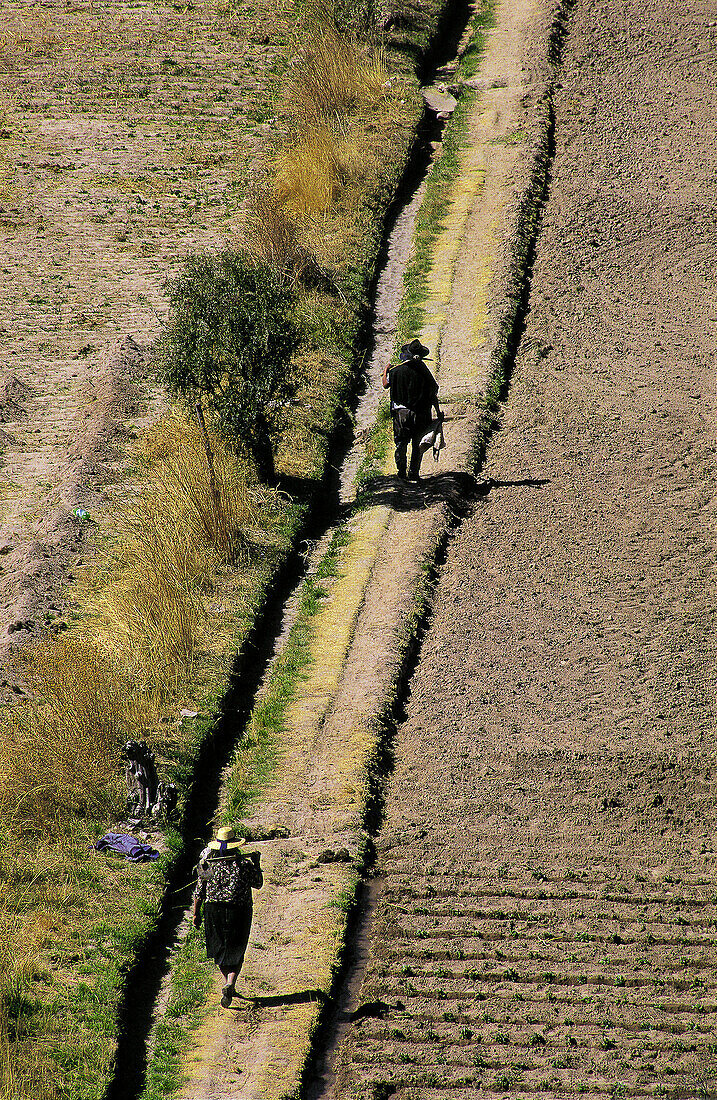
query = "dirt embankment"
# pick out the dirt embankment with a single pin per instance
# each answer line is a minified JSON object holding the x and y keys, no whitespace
{"x":549,"y":868}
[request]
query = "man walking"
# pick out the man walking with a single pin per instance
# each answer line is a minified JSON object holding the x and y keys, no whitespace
{"x":413,"y":392}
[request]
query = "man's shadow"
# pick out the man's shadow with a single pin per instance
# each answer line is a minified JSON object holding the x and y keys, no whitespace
{"x":455,"y":489}
{"x":527,"y":482}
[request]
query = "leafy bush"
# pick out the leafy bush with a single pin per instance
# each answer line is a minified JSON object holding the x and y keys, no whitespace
{"x":229,"y":341}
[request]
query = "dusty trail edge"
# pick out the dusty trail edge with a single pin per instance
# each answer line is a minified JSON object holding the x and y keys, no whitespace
{"x":336,"y":749}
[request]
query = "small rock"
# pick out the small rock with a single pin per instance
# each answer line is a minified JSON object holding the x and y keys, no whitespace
{"x":440,"y":100}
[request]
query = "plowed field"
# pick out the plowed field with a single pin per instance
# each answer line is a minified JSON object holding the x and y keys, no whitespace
{"x":547,"y":918}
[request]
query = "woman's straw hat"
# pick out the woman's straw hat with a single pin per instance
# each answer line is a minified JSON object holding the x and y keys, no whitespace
{"x":226,"y":841}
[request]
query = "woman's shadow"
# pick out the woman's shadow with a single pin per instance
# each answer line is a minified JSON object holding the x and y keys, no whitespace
{"x":301,"y":997}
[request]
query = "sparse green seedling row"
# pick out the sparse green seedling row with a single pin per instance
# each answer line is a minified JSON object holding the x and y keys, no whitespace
{"x":468,"y":1019}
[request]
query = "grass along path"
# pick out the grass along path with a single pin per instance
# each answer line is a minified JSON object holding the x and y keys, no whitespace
{"x":40,"y":1038}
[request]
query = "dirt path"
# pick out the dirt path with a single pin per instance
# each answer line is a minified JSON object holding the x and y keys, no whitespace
{"x":547,"y":879}
{"x":549,"y":869}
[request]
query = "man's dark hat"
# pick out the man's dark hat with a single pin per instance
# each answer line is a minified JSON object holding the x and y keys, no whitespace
{"x":417,"y":349}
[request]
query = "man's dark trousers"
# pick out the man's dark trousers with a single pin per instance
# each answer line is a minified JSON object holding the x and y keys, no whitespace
{"x":408,"y":428}
{"x":413,"y":393}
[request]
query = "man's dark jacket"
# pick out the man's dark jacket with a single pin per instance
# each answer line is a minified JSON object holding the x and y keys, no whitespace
{"x":412,"y":385}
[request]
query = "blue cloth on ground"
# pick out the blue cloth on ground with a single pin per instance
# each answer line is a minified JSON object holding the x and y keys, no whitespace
{"x":127,"y":846}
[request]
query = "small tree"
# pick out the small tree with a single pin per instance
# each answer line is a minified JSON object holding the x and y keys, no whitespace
{"x":228,"y":342}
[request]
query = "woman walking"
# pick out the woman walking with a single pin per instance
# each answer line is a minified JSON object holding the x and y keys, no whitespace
{"x":225,"y":879}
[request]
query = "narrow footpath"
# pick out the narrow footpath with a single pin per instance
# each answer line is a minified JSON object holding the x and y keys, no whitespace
{"x":330,"y":747}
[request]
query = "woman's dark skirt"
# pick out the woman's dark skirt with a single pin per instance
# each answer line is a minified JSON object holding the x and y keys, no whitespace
{"x":226,"y":931}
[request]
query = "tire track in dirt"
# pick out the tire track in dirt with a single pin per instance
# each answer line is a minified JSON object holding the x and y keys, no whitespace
{"x":547,"y":873}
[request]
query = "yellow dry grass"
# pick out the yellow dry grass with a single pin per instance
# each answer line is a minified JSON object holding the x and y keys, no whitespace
{"x":174,"y":533}
{"x":310,"y":173}
{"x":274,"y":236}
{"x":334,"y":80}
{"x":333,"y":75}
{"x":105,"y":680}
{"x":58,"y":751}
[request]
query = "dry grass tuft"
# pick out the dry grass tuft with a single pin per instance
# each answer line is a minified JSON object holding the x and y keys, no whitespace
{"x":178,"y":483}
{"x":275,"y":237}
{"x":155,"y":621}
{"x":58,"y":752}
{"x":332,"y":76}
{"x":334,"y":82}
{"x":105,"y":681}
{"x":174,"y":534}
{"x":311,"y":172}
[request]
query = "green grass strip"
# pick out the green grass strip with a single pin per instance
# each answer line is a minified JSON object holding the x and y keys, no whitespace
{"x":255,"y":761}
{"x":439,"y":185}
{"x":374,"y":459}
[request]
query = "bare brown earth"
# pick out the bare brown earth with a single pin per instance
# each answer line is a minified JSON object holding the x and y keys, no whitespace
{"x":548,"y":879}
{"x":547,"y":912}
{"x":125,"y":133}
